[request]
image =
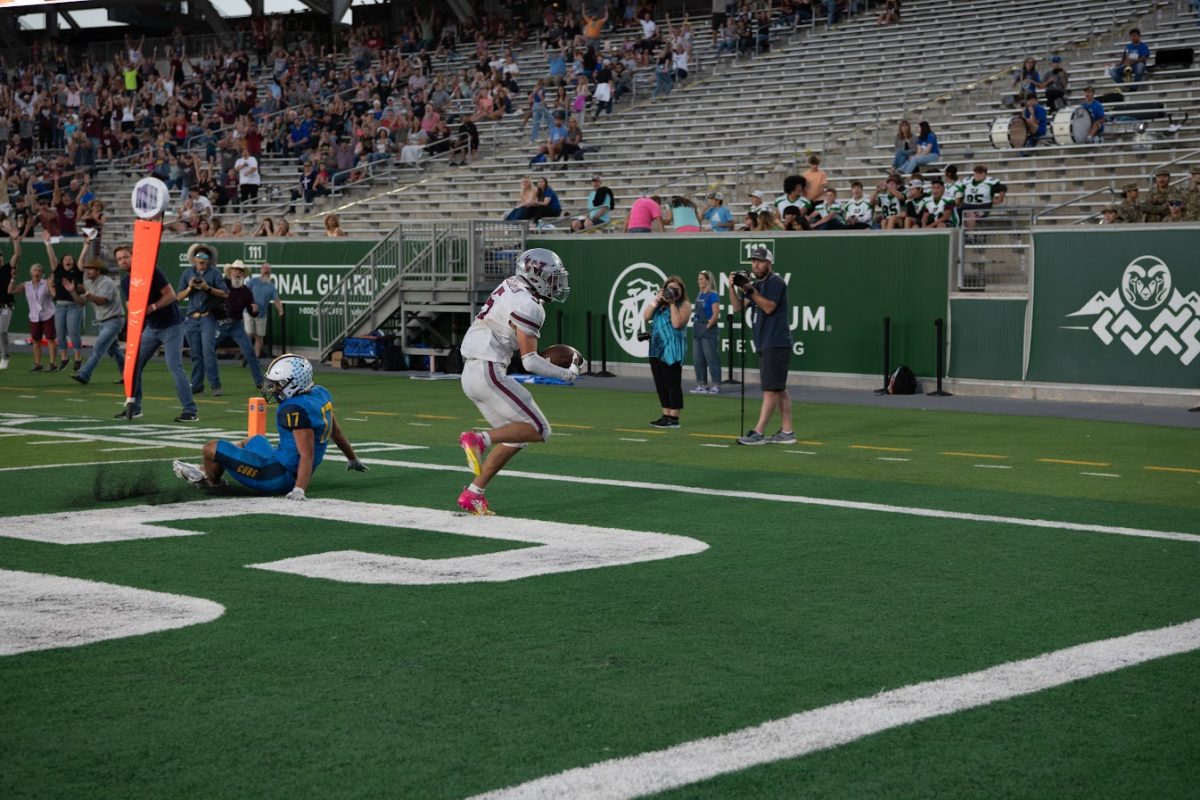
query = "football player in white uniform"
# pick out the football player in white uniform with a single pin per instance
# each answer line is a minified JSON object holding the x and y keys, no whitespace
{"x":509,"y":322}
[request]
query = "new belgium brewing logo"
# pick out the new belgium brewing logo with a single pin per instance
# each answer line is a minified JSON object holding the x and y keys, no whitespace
{"x":1146,"y":310}
{"x":632,"y":289}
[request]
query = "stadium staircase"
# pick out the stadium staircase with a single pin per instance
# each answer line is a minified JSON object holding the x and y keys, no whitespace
{"x":420,"y":282}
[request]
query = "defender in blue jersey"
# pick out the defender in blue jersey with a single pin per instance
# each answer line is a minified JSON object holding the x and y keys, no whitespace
{"x":306,"y":425}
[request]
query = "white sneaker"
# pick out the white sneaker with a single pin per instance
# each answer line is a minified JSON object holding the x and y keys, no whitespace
{"x":701,"y":389}
{"x":3,"y":363}
{"x":714,"y":389}
{"x":189,"y":472}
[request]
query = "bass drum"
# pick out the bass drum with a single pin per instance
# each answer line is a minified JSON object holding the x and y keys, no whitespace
{"x":1071,"y":125}
{"x":1008,"y":131}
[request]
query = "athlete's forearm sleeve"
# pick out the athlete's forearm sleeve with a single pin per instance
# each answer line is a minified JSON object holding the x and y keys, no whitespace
{"x":534,"y":363}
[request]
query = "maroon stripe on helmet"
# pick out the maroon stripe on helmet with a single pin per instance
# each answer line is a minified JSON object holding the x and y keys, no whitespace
{"x":537,"y":422}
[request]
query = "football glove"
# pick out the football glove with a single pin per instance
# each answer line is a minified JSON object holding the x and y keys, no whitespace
{"x":296,"y":494}
{"x":356,"y":465}
{"x":572,"y":373}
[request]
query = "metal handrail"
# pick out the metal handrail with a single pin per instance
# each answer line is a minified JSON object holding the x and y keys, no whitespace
{"x":1110,"y":189}
{"x":1184,"y":157}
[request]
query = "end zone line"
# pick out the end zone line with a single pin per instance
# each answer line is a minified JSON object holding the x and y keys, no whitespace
{"x":854,"y":505}
{"x":86,"y":464}
{"x":841,"y":723}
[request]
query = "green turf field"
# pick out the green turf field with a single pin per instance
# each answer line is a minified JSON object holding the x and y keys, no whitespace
{"x":887,"y":549}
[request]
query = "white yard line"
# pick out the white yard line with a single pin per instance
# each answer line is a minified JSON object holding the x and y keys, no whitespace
{"x":140,"y":447}
{"x":991,"y":466}
{"x":85,"y":464}
{"x":885,"y":458}
{"x":52,"y":441}
{"x":707,"y":444}
{"x":842,"y":723}
{"x":1101,"y":474}
{"x":625,"y":439}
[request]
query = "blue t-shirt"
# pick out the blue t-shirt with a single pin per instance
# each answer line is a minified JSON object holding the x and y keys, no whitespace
{"x":554,"y":205}
{"x":165,"y":316}
{"x":1136,"y":52}
{"x":594,"y":202}
{"x":667,"y":343}
{"x":1039,"y":113}
{"x":198,"y":301}
{"x":703,"y":310}
{"x":1095,"y":110}
{"x":556,"y":64}
{"x":770,"y":330}
{"x":684,"y":217}
{"x":264,"y":292}
{"x":720,"y":218}
{"x":311,"y":410}
{"x":931,"y":140}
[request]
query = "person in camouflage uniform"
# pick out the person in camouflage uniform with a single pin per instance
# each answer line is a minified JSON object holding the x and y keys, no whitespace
{"x":1160,"y":196}
{"x":1131,"y":209}
{"x":1191,"y":198}
{"x":1109,"y":216}
{"x":1175,"y":212}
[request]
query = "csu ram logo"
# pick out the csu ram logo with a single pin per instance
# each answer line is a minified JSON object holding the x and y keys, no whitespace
{"x":1146,"y":310}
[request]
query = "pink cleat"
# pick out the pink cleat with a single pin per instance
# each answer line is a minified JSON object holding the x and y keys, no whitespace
{"x":473,"y":503}
{"x":472,"y":444}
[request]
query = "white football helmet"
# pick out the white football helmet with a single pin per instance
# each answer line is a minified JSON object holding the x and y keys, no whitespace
{"x":544,"y":273}
{"x":288,"y":376}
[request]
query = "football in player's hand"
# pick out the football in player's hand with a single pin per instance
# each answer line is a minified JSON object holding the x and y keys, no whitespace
{"x":562,"y":355}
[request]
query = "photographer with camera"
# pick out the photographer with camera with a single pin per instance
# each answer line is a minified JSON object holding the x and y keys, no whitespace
{"x":668,"y":316}
{"x":765,"y":293}
{"x":204,"y":289}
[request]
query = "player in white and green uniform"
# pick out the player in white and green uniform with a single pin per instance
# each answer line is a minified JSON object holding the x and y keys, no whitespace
{"x":939,"y":210}
{"x":858,"y":208}
{"x":956,"y":187}
{"x":980,"y":193}
{"x":889,"y":205}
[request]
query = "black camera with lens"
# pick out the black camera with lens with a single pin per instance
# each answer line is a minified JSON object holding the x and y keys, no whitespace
{"x":670,"y":294}
{"x":644,"y":336}
{"x":741,"y":279}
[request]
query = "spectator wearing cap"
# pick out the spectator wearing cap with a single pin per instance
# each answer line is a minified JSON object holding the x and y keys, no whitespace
{"x":766,"y":297}
{"x":1132,"y":66}
{"x":104,"y":295}
{"x":1160,"y":197}
{"x":645,"y":215}
{"x":1108,"y":216}
{"x":1191,"y":197}
{"x":716,"y":215}
{"x":203,"y":287}
{"x":600,"y":204}
{"x":757,"y":203}
{"x":1131,"y":209}
{"x":1175,"y":211}
{"x":241,"y":308}
{"x":1056,"y":84}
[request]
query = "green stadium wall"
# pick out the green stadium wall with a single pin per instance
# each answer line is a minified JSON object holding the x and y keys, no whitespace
{"x":840,"y":287}
{"x":987,"y":336}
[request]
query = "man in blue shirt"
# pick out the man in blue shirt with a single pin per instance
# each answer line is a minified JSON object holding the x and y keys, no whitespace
{"x":1096,"y":111}
{"x":163,"y":328}
{"x":766,"y":295}
{"x":1132,"y":65}
{"x":204,"y":288}
{"x":1035,"y":119}
{"x":717,"y":215}
{"x":265,"y":294}
{"x":306,"y":423}
{"x":599,"y":207}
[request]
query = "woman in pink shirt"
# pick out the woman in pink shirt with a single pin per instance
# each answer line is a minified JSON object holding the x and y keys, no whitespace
{"x":41,"y":312}
{"x":431,"y":118}
{"x":645,"y":215}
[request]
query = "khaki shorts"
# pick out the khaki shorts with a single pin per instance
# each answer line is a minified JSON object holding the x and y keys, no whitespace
{"x":255,"y":326}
